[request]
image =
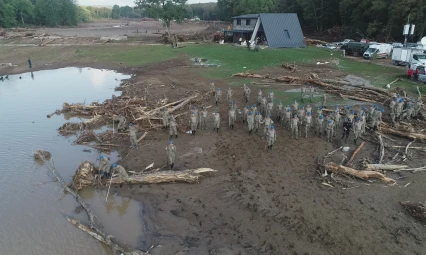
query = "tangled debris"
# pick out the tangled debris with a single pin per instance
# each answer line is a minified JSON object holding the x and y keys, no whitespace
{"x":42,"y":154}
{"x":84,"y":176}
{"x":417,"y":210}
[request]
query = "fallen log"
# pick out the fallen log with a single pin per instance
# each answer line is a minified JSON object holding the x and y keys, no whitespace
{"x":187,"y":176}
{"x":402,"y":134}
{"x":142,"y":137}
{"x":355,"y":152}
{"x":381,"y":149}
{"x":357,"y":98}
{"x":362,"y":174}
{"x":156,"y":110}
{"x":249,"y":75}
{"x":385,"y":167}
{"x":93,"y":230}
{"x":413,"y":148}
{"x":104,"y":238}
{"x":49,"y":164}
{"x":177,"y":107}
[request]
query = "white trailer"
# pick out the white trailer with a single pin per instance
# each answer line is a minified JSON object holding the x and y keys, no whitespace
{"x":379,"y":50}
{"x":405,"y":56}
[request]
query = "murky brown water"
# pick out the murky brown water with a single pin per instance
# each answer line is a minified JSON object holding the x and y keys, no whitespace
{"x":33,"y":208}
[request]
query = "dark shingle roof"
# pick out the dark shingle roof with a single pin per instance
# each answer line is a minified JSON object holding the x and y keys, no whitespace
{"x":274,"y":25}
{"x":247,"y":16}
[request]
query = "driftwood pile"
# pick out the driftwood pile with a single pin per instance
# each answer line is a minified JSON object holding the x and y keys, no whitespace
{"x":144,"y":115}
{"x":341,"y":88}
{"x":291,"y":67}
{"x":42,"y":154}
{"x":87,"y":175}
{"x":83,"y":177}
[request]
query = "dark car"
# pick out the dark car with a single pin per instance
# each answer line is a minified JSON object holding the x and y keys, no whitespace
{"x":420,"y":74}
{"x":355,"y":49}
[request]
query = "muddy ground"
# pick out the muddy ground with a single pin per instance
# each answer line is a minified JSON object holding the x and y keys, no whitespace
{"x":137,"y":32}
{"x":264,"y":202}
{"x":259,"y":202}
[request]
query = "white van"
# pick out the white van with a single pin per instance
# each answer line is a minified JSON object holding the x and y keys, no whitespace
{"x":381,"y":50}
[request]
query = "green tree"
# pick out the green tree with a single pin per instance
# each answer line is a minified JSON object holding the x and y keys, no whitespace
{"x":126,"y":12}
{"x":167,"y":10}
{"x":24,"y":10}
{"x":115,"y":12}
{"x":7,"y":14}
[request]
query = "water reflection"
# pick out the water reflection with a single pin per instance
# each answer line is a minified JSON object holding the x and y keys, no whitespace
{"x":32,"y":215}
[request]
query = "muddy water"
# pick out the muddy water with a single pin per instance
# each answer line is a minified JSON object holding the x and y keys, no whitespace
{"x":33,"y":208}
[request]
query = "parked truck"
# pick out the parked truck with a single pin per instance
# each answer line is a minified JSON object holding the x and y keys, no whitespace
{"x":405,"y":56}
{"x":355,"y":48}
{"x":379,"y":50}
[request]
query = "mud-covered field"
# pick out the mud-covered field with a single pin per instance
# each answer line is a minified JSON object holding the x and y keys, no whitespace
{"x":258,"y":202}
{"x":265,"y":202}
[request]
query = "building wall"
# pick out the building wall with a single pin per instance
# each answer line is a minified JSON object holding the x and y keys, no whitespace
{"x":243,"y":25}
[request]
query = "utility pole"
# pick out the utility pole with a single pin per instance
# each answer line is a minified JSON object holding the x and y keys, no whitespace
{"x":408,"y":30}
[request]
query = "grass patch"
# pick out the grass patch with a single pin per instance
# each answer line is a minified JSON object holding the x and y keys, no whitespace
{"x":234,"y":59}
{"x":379,"y":75}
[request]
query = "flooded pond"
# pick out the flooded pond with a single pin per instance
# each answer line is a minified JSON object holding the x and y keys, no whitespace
{"x":34,"y":208}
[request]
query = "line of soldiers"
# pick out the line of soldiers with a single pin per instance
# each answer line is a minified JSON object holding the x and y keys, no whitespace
{"x":404,"y":109}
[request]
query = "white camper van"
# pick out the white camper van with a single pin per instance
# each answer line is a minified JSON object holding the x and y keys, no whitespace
{"x":380,"y":50}
{"x":405,"y":56}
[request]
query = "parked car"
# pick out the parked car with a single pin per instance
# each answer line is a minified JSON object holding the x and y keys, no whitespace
{"x":355,"y":48}
{"x":397,"y":45}
{"x":380,"y":50}
{"x":420,"y":74}
{"x":346,"y":41}
{"x":328,"y":46}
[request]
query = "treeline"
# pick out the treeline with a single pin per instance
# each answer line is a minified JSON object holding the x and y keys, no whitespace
{"x":375,"y":19}
{"x":38,"y":12}
{"x":126,"y":12}
{"x":206,"y":11}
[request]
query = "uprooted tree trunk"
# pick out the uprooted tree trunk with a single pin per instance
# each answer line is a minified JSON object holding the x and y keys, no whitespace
{"x":402,"y":134}
{"x":188,"y":176}
{"x":365,"y":175}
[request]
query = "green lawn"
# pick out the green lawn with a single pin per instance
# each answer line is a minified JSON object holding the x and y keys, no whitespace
{"x":238,"y":59}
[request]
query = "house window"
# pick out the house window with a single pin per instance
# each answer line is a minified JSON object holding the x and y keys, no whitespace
{"x":248,"y":22}
{"x":286,"y":34}
{"x":238,"y":22}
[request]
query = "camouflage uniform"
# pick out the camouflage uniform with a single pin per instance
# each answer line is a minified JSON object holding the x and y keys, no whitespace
{"x":232,"y":117}
{"x":212,"y":88}
{"x":269,"y":108}
{"x":133,"y":139}
{"x":268,"y":123}
{"x":122,"y":174}
{"x":216,"y":122}
{"x":171,"y":155}
{"x":308,"y":124}
{"x":229,"y":94}
{"x":330,"y":129}
{"x":295,"y":127}
{"x":258,"y":120}
{"x":271,"y":137}
{"x":357,"y":130}
{"x":204,"y":115}
{"x":250,"y":122}
{"x":218,"y":96}
{"x":172,"y":129}
{"x":319,"y":127}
